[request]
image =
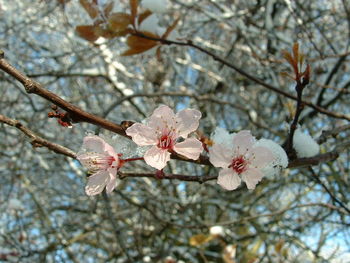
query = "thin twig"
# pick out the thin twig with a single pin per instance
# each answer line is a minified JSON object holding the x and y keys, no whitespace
{"x":77,"y":114}
{"x":117,"y":233}
{"x":332,"y":196}
{"x":36,"y":140}
{"x":189,"y":43}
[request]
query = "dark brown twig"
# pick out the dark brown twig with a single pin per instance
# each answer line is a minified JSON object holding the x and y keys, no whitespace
{"x":36,"y":140}
{"x":77,"y":114}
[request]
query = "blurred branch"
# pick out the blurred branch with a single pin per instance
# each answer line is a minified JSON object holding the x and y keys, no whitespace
{"x":188,"y":178}
{"x":333,"y":197}
{"x":174,"y":94}
{"x":189,"y":43}
{"x":117,"y":232}
{"x":332,"y":133}
{"x":36,"y":140}
{"x":279,"y":212}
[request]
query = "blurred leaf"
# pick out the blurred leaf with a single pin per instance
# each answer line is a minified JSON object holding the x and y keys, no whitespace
{"x":139,"y":45}
{"x":87,"y":32}
{"x":90,"y":8}
{"x":170,"y":28}
{"x":200,"y":239}
{"x":143,"y":16}
{"x":278,"y":246}
{"x":285,"y":252}
{"x":108,"y":9}
{"x":296,"y":51}
{"x":256,"y":246}
{"x":118,"y":22}
{"x":133,"y":9}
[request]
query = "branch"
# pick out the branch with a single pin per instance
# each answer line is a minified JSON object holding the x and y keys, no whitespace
{"x":332,"y":133}
{"x":77,"y":114}
{"x":189,"y":43}
{"x":299,"y":108}
{"x":115,"y":227}
{"x":187,"y":178}
{"x":36,"y":140}
{"x":333,"y":197}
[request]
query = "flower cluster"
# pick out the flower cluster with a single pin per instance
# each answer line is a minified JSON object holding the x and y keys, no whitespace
{"x":164,"y":133}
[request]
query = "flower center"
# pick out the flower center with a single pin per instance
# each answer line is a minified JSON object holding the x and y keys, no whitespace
{"x":102,"y":162}
{"x":166,"y":140}
{"x":239,"y":164}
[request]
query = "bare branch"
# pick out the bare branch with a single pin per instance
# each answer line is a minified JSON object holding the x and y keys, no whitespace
{"x":36,"y":140}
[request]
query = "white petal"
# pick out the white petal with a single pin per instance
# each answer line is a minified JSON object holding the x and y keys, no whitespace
{"x":304,"y":144}
{"x":157,"y":157}
{"x":86,"y":159}
{"x":190,"y":148}
{"x":220,"y":156}
{"x":162,"y":117}
{"x":222,"y":136}
{"x":252,"y":177}
{"x":96,"y":183}
{"x":228,"y":179}
{"x":259,"y":157}
{"x":112,"y":180}
{"x":188,"y":121}
{"x":280,"y":156}
{"x":243,"y":142}
{"x":94,"y":143}
{"x":109,"y":150}
{"x":142,"y":135}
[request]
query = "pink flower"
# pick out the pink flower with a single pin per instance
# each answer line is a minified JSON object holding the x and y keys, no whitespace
{"x":163,"y":130}
{"x":240,"y":160}
{"x":101,"y":160}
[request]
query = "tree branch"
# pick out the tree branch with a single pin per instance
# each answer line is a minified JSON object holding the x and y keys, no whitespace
{"x":36,"y":140}
{"x":77,"y":114}
{"x":189,"y":43}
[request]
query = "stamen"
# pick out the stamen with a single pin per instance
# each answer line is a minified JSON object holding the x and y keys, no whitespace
{"x":239,"y":164}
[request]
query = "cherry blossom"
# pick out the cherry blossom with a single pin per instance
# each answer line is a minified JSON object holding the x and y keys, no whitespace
{"x":102,"y":161}
{"x":240,"y":160}
{"x":304,"y":144}
{"x":162,"y":132}
{"x":280,"y":160}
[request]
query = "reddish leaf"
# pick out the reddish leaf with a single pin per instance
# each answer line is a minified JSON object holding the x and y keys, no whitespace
{"x":139,"y":45}
{"x":108,"y":9}
{"x":90,"y":8}
{"x":141,"y":42}
{"x":133,"y":9}
{"x":143,"y":16}
{"x":118,"y":22}
{"x":110,"y":34}
{"x":291,"y":60}
{"x":296,"y":51}
{"x":170,"y":28}
{"x":89,"y":33}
